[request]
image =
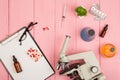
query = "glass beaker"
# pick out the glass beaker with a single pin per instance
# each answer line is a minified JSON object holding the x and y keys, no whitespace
{"x":87,"y":34}
{"x":108,"y":50}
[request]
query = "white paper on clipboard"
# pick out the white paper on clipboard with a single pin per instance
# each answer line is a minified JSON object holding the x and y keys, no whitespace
{"x":32,"y":70}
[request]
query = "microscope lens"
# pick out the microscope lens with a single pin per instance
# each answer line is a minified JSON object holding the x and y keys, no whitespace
{"x":96,"y":79}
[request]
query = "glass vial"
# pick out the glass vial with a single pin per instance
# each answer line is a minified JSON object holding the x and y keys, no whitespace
{"x":17,"y":65}
{"x":104,"y":31}
{"x":87,"y":34}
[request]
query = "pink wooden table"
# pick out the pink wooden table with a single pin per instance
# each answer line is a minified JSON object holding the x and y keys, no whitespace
{"x":14,"y":14}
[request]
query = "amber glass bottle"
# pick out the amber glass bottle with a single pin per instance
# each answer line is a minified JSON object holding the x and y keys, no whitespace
{"x":104,"y":31}
{"x":17,"y":65}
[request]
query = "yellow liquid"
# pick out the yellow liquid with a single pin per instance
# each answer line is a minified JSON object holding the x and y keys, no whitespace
{"x":108,"y":50}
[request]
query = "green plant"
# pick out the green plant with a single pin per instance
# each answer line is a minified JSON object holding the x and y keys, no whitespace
{"x":81,"y":11}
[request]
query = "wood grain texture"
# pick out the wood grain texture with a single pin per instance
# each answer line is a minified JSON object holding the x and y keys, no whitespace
{"x":20,"y":14}
{"x":87,"y":21}
{"x":44,"y":15}
{"x":3,"y":32}
{"x":48,"y":13}
{"x":111,"y":67}
{"x":63,"y":28}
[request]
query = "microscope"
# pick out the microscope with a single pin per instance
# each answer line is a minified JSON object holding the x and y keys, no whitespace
{"x":88,"y":69}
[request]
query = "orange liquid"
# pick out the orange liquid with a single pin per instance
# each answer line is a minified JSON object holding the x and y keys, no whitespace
{"x":108,"y":50}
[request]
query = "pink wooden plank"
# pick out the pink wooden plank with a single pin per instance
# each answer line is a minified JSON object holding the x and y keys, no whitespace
{"x":3,"y":19}
{"x":3,"y":32}
{"x":63,"y":28}
{"x":111,"y":66}
{"x":77,"y":24}
{"x":45,"y":16}
{"x":21,"y":14}
{"x":87,"y":21}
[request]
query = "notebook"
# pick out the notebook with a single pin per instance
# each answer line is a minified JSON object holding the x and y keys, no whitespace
{"x":33,"y":62}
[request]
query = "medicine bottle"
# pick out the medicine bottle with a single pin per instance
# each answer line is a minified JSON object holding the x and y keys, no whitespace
{"x":17,"y":65}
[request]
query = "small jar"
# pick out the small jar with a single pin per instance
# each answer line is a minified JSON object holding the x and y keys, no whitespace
{"x":108,"y":50}
{"x":87,"y":34}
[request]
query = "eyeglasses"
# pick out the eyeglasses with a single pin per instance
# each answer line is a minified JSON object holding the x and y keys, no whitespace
{"x":23,"y":36}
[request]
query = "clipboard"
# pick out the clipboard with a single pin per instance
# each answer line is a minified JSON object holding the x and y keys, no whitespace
{"x":31,"y":69}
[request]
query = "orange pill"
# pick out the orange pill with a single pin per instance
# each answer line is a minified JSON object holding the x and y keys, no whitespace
{"x":108,"y":50}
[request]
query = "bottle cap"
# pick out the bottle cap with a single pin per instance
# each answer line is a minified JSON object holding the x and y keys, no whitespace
{"x":112,"y":49}
{"x":91,"y":32}
{"x":108,"y":50}
{"x":106,"y":27}
{"x":14,"y":59}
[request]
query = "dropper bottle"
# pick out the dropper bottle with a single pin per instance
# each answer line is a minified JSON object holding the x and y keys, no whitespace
{"x":17,"y":65}
{"x":104,"y":31}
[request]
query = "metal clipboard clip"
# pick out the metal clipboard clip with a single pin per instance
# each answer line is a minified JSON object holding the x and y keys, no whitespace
{"x":28,"y":28}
